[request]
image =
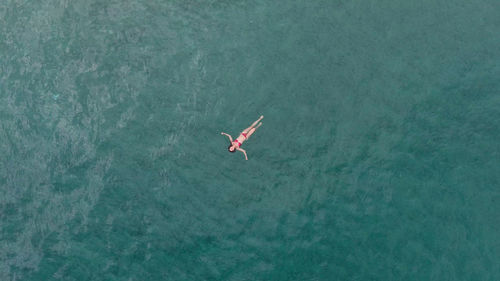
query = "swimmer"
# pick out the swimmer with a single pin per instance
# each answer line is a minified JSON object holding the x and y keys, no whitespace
{"x":235,"y":145}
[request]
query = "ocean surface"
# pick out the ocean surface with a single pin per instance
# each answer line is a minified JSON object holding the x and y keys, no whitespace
{"x":378,"y":157}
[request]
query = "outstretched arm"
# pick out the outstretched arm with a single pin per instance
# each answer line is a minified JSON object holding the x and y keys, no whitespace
{"x":244,"y":152}
{"x":230,"y":138}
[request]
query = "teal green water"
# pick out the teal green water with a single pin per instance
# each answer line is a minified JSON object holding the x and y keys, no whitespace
{"x":378,"y":158}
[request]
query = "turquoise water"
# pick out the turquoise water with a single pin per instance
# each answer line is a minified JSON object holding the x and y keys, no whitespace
{"x":378,"y":158}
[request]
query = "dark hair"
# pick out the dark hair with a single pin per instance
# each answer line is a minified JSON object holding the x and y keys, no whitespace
{"x":228,"y":148}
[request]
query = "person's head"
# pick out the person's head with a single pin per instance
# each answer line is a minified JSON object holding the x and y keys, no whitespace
{"x":231,"y":148}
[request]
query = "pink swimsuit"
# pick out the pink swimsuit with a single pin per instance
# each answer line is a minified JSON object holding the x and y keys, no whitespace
{"x":238,"y":142}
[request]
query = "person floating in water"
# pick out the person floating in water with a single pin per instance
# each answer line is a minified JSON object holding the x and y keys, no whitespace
{"x":235,"y":145}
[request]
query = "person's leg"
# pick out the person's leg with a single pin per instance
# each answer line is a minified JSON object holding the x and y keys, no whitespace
{"x":253,"y":130}
{"x":253,"y":125}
